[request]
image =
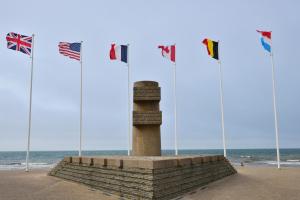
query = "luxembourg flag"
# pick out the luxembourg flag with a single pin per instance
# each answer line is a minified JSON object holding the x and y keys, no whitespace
{"x":265,"y":40}
{"x":118,"y":52}
{"x":168,"y":52}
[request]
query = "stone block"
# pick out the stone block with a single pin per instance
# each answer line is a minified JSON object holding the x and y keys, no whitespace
{"x":157,"y":164}
{"x":220,"y":157}
{"x":100,"y":162}
{"x":115,"y":162}
{"x":181,"y":162}
{"x":68,"y":159}
{"x":197,"y":160}
{"x":145,"y":164}
{"x":130,"y":163}
{"x":206,"y":159}
{"x":76,"y":160}
{"x":87,"y":161}
{"x":214,"y":158}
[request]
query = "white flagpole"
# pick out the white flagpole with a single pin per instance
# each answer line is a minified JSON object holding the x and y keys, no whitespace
{"x":275,"y":111}
{"x":221,"y":99}
{"x":128,"y":79}
{"x":30,"y":103}
{"x":80,"y":136}
{"x":175,"y":110}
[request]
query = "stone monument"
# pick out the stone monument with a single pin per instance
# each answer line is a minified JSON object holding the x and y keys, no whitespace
{"x":146,"y":174}
{"x":147,"y":119}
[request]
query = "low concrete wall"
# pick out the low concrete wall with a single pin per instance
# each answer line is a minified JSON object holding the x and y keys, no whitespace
{"x":144,"y":177}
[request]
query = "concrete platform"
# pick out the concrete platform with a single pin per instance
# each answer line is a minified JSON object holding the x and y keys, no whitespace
{"x":144,"y":177}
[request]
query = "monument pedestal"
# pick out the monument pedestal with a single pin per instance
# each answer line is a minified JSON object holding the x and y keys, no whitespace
{"x":140,"y":177}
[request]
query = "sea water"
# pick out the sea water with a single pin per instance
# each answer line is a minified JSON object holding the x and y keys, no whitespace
{"x":15,"y":160}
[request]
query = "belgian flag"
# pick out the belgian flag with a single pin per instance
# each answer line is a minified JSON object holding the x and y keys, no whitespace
{"x":212,"y":48}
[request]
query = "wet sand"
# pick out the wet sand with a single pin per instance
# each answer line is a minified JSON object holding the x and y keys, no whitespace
{"x":251,"y":183}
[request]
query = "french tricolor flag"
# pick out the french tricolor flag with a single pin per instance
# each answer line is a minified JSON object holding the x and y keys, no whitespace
{"x":266,"y":40}
{"x":118,"y":52}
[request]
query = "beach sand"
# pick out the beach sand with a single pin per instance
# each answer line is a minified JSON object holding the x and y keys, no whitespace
{"x":37,"y":185}
{"x":251,"y":183}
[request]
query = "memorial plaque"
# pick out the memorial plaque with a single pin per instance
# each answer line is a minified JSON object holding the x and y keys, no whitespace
{"x":146,"y":94}
{"x":150,"y":117}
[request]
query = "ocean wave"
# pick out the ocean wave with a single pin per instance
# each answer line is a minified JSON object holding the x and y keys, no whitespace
{"x":287,"y":163}
{"x":14,"y":163}
{"x":293,"y":160}
{"x":242,"y":156}
{"x":17,"y":165}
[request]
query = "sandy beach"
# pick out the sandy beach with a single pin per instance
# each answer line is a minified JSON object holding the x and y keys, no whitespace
{"x":261,"y":183}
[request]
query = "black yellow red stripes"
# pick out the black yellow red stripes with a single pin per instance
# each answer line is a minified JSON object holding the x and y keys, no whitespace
{"x":212,"y":48}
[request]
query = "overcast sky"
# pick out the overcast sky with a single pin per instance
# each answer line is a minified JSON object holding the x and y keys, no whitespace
{"x":249,"y":119}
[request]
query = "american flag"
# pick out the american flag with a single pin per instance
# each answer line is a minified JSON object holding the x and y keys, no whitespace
{"x":19,"y":42}
{"x":72,"y":50}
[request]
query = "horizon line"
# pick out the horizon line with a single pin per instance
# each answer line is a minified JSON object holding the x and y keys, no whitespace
{"x":162,"y":149}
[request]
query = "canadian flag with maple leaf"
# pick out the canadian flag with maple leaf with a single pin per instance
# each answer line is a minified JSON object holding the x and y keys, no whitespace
{"x":168,"y":52}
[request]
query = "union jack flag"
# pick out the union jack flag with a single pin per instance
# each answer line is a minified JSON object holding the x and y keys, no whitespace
{"x":19,"y":42}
